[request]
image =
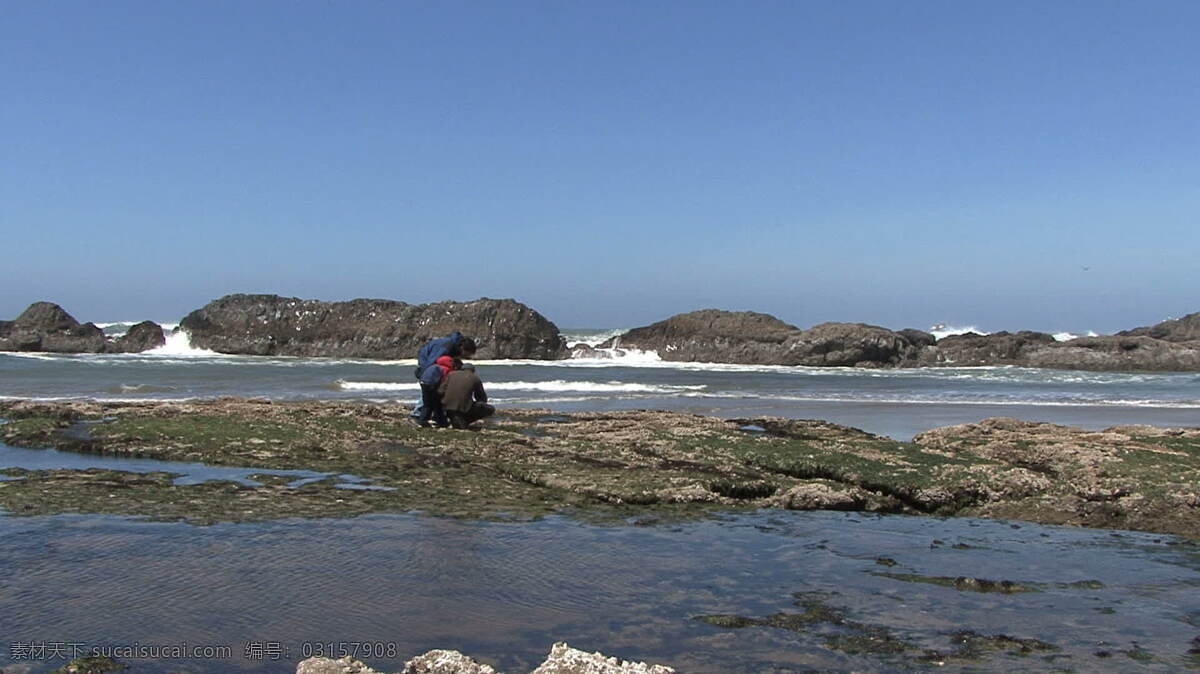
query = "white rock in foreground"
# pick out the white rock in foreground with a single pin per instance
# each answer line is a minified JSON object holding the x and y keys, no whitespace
{"x":346,"y":665}
{"x":566,"y":660}
{"x":445,"y":662}
{"x":562,"y":660}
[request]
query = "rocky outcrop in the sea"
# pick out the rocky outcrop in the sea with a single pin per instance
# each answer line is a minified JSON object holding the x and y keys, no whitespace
{"x":562,"y":660}
{"x":711,"y":335}
{"x":270,"y":325}
{"x":1186,"y":329}
{"x":1038,"y":349}
{"x":141,"y":337}
{"x":998,"y":348}
{"x":760,"y":339}
{"x":1116,"y":353}
{"x":47,"y":327}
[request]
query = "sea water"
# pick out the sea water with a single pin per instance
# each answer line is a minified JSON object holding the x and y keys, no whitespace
{"x":393,"y":586}
{"x":272,"y":593}
{"x":895,"y":402}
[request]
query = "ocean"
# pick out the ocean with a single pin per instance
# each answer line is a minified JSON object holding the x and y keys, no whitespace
{"x":259,"y":596}
{"x":897,"y":403}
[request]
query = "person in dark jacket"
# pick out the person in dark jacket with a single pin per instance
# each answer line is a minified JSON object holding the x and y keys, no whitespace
{"x":463,"y":396}
{"x":431,"y":401}
{"x":453,"y":345}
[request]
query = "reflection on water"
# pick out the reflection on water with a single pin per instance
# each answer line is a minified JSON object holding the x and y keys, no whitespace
{"x":503,"y":592}
{"x":189,"y":473}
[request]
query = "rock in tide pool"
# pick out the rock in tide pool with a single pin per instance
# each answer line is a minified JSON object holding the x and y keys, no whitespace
{"x":566,"y":660}
{"x":445,"y":662}
{"x":562,"y":660}
{"x":346,"y":665}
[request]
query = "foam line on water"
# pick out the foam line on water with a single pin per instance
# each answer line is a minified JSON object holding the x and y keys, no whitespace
{"x":557,"y":385}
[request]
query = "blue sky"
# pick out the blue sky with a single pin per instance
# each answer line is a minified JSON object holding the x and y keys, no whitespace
{"x":1011,"y":165}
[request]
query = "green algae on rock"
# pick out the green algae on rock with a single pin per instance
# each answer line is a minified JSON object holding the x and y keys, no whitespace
{"x":527,"y":463}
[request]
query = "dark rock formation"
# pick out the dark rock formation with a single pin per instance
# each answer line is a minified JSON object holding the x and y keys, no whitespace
{"x":45,"y":326}
{"x":746,"y":337}
{"x":141,"y":337}
{"x":711,"y":335}
{"x":848,"y":345}
{"x":760,"y":339}
{"x":269,"y":325}
{"x":1144,"y":354}
{"x":999,"y":348}
{"x":1186,"y":329}
{"x":1037,"y":349}
{"x":45,"y":317}
{"x":918,"y":338}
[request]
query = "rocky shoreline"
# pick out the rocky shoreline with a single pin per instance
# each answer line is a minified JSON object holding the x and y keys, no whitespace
{"x":618,"y":465}
{"x":270,"y":325}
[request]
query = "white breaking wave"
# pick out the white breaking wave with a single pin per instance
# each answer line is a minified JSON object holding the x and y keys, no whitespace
{"x":179,"y":343}
{"x":1068,"y":336}
{"x":590,"y":337}
{"x":115,"y":329}
{"x":942,"y":330}
{"x":555,"y":386}
{"x":619,"y":356}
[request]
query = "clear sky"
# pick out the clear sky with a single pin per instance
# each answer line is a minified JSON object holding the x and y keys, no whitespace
{"x":1009,"y":165}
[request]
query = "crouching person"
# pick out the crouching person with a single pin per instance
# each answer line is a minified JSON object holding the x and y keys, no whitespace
{"x":431,"y":400}
{"x":463,"y":396}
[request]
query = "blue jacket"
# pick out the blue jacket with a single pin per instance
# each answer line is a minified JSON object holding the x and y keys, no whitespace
{"x":431,"y":376}
{"x":436,"y":348}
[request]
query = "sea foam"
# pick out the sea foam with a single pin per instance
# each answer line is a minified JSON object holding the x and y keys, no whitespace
{"x":554,"y":386}
{"x":590,"y":337}
{"x":942,"y":330}
{"x":179,"y":343}
{"x":1068,"y":336}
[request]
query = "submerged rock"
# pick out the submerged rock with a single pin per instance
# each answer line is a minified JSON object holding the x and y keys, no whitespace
{"x":269,"y":325}
{"x":91,"y":665}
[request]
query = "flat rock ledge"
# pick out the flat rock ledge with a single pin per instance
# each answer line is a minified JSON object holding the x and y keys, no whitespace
{"x":562,"y":660}
{"x":529,"y":463}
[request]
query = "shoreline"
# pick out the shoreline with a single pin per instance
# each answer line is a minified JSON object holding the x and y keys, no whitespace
{"x":529,"y":463}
